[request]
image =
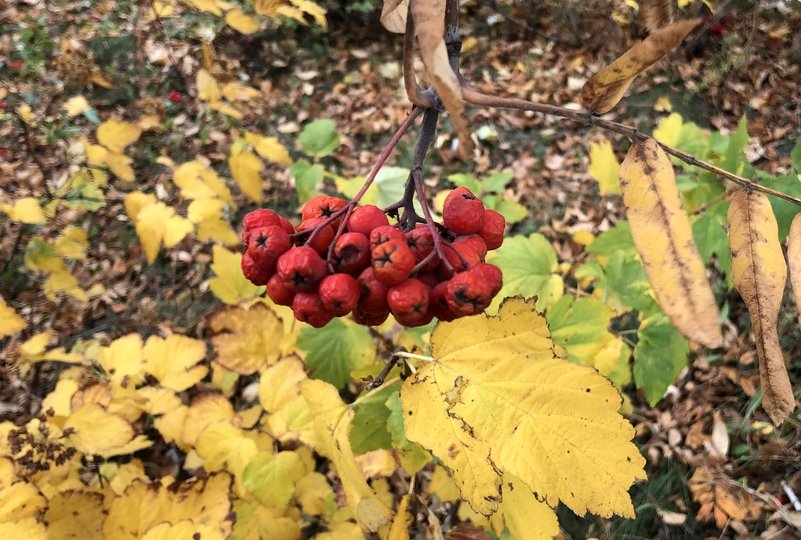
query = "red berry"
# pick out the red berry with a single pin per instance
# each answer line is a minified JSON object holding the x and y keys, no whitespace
{"x":475,"y":242}
{"x":408,"y":302}
{"x":278,"y":291}
{"x":287,"y":225}
{"x":256,"y":274}
{"x":308,"y":308}
{"x":462,"y":212}
{"x":492,"y":229}
{"x":369,"y":319}
{"x":322,"y":206}
{"x":374,"y":293}
{"x":421,"y":243}
{"x":385,"y":233}
{"x":301,"y":268}
{"x":366,"y":218}
{"x":429,"y":278}
{"x":438,"y":304}
{"x":462,"y":256}
{"x":267,"y":244}
{"x":322,"y":239}
{"x":352,"y":253}
{"x":174,"y":96}
{"x":468,"y":294}
{"x":340,"y":293}
{"x":259,"y":218}
{"x":392,"y":262}
{"x":491,"y":274}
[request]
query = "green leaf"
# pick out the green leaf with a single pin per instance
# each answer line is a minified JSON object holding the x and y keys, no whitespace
{"x":496,"y":182}
{"x":712,"y":239}
{"x":618,"y":238}
{"x":660,"y":355}
{"x":271,"y":477}
{"x":412,"y":456}
{"x":784,"y":210}
{"x":369,"y":430}
{"x":734,"y":159}
{"x":529,"y":269}
{"x":335,"y":350}
{"x":627,"y":286}
{"x":795,"y":156}
{"x":512,"y":211}
{"x":579,"y":326}
{"x":320,"y":138}
{"x":466,"y":180}
{"x":306,"y":176}
{"x":387,"y":188}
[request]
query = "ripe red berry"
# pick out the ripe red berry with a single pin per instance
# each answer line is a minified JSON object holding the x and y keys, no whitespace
{"x":430,"y":279}
{"x":256,"y":274}
{"x":421,"y":243}
{"x":352,"y":253}
{"x":475,"y":242}
{"x":308,"y":308}
{"x":438,"y":303}
{"x":369,"y":319}
{"x":340,"y":293}
{"x":373,"y":293}
{"x":468,"y":294}
{"x":491,"y":274}
{"x":278,"y":291}
{"x":492,"y":229}
{"x":462,"y":256}
{"x":301,"y":268}
{"x":408,"y":302}
{"x":462,"y":212}
{"x":322,"y":206}
{"x":322,"y":239}
{"x":385,"y":233}
{"x":267,"y":244}
{"x":392,"y":262}
{"x":258,"y":218}
{"x":366,"y":218}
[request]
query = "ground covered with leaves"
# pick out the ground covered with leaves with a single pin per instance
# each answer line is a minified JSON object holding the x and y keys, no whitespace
{"x":140,"y":368}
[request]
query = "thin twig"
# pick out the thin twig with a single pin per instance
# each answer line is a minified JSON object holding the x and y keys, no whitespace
{"x":382,"y":375}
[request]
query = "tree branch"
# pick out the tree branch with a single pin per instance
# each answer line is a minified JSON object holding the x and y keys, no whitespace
{"x":475,"y":97}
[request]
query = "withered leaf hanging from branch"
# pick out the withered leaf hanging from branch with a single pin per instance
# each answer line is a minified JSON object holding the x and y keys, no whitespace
{"x":393,"y":15}
{"x":655,"y":14}
{"x":429,"y":25}
{"x":794,"y":262}
{"x":663,"y":237}
{"x":759,"y":273}
{"x":607,"y":87}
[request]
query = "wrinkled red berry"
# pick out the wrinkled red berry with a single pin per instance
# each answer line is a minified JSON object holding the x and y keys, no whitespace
{"x":308,"y":308}
{"x":392,"y":262}
{"x":301,"y":268}
{"x":385,"y":233}
{"x":492,"y":229}
{"x":438,"y":303}
{"x":267,"y":244}
{"x":462,"y":257}
{"x":468,"y":294}
{"x":429,"y":278}
{"x":340,"y":293}
{"x":352,"y":253}
{"x":278,"y":291}
{"x":366,"y":218}
{"x":258,"y":218}
{"x":462,"y":212}
{"x":373,"y":293}
{"x":322,"y":239}
{"x":256,"y":274}
{"x":369,"y":319}
{"x":421,"y":243}
{"x":491,"y":274}
{"x":322,"y":206}
{"x":408,"y":302}
{"x":475,"y":242}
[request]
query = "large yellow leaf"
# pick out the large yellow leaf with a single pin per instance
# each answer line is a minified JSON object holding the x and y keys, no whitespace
{"x":197,"y":181}
{"x":793,"y":262}
{"x":494,"y":400}
{"x":207,"y":87}
{"x":157,"y":223}
{"x":183,"y":529}
{"x":76,"y":515}
{"x":116,"y":135}
{"x":664,"y":240}
{"x":241,"y":345}
{"x":62,"y":282}
{"x":97,"y":432}
{"x":269,"y":148}
{"x":24,"y":210}
{"x":241,"y":21}
{"x":20,"y":500}
{"x":606,"y":88}
{"x":183,"y":425}
{"x":228,"y":283}
{"x":209,"y":6}
{"x":221,"y":445}
{"x":207,"y":214}
{"x":254,"y":521}
{"x":604,"y":167}
{"x":759,"y":273}
{"x":333,"y":419}
{"x":525,"y":515}
{"x":72,"y":243}
{"x":120,"y":164}
{"x":122,"y":360}
{"x":280,"y":383}
{"x":173,"y":361}
{"x":10,"y":322}
{"x":245,"y":168}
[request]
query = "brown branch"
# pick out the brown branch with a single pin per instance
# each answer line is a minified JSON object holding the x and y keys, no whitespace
{"x":476,"y":97}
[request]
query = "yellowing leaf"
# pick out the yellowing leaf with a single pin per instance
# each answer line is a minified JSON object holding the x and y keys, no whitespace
{"x":269,"y":148}
{"x":241,"y":22}
{"x":221,"y":445}
{"x":229,"y":285}
{"x":72,"y":243}
{"x":400,"y":525}
{"x":24,"y":210}
{"x":116,"y":135}
{"x":61,"y":281}
{"x":97,"y":432}
{"x":157,"y":223}
{"x":604,"y":167}
{"x":136,"y":201}
{"x":197,"y":181}
{"x":183,"y":529}
{"x":207,"y":87}
{"x":280,"y":383}
{"x":257,"y":521}
{"x":120,"y":164}
{"x":759,"y":274}
{"x":494,"y":400}
{"x":525,"y":515}
{"x":209,"y":6}
{"x":122,"y":360}
{"x":271,"y":478}
{"x":241,"y":345}
{"x":606,"y":88}
{"x":173,"y":361}
{"x":663,"y":237}
{"x":76,"y":105}
{"x":245,"y":168}
{"x":235,"y":91}
{"x":332,"y":419}
{"x":75,"y":514}
{"x":10,"y":322}
{"x":793,"y":262}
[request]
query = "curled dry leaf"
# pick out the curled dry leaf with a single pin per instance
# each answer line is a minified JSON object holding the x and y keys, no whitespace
{"x":794,"y":262}
{"x":606,"y":88}
{"x":663,"y":237}
{"x":393,"y":15}
{"x":759,"y":274}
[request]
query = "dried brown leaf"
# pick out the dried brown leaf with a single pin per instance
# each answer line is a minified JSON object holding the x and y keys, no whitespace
{"x":794,"y":262}
{"x":655,"y":14}
{"x":393,"y":15}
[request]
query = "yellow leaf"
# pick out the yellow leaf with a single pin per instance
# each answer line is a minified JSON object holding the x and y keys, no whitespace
{"x":120,"y":164}
{"x":241,"y":22}
{"x":26,"y":114}
{"x":311,"y":8}
{"x":97,"y":432}
{"x":399,"y":530}
{"x":245,"y":168}
{"x":61,"y":281}
{"x":24,"y":210}
{"x":10,"y":322}
{"x":205,"y":209}
{"x":72,"y":243}
{"x":663,"y":237}
{"x":136,"y":201}
{"x":793,"y":262}
{"x":197,"y":181}
{"x":663,"y":104}
{"x":526,"y":516}
{"x":185,"y":424}
{"x":158,"y":223}
{"x":221,"y":445}
{"x":229,"y":285}
{"x":242,"y":346}
{"x":759,"y":273}
{"x":332,"y":419}
{"x":312,"y":493}
{"x":226,"y":108}
{"x":116,"y":135}
{"x":269,"y":148}
{"x":209,"y":6}
{"x":280,"y":383}
{"x":207,"y":87}
{"x":604,"y":167}
{"x":20,"y":500}
{"x":183,"y":529}
{"x":494,"y":400}
{"x":122,"y":360}
{"x":76,"y":105}
{"x":173,"y":361}
{"x":217,"y":230}
{"x":75,"y":514}
{"x":234,"y":91}
{"x":606,"y":88}
{"x":254,"y":521}
{"x":96,"y":154}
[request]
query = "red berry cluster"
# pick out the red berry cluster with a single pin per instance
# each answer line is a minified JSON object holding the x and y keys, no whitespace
{"x":324,"y":269}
